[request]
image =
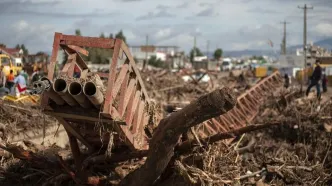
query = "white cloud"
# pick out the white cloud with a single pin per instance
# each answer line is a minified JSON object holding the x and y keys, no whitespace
{"x":163,"y":33}
{"x":37,"y":37}
{"x":324,"y":29}
{"x":233,"y":24}
{"x":21,"y":25}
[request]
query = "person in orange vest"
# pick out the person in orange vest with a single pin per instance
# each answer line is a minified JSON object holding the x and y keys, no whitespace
{"x":10,"y":80}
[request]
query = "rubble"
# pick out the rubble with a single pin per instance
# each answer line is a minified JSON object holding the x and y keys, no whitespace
{"x":216,"y":129}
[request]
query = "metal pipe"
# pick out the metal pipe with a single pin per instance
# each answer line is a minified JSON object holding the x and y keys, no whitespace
{"x":60,"y":86}
{"x":94,"y":94}
{"x":44,"y":85}
{"x":76,"y":90}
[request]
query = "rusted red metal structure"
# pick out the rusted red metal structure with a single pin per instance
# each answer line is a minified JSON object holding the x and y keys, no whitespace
{"x":246,"y":109}
{"x":125,"y":110}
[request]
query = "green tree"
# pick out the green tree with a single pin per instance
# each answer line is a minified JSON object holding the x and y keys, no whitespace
{"x":17,"y":46}
{"x":25,"y":50}
{"x":218,"y":53}
{"x":78,"y":32}
{"x":111,"y":36}
{"x":154,"y":61}
{"x":102,"y":35}
{"x":198,"y":53}
{"x":120,"y":35}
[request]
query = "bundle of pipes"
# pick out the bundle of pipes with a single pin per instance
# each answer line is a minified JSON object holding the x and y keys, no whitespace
{"x":44,"y":85}
{"x":72,"y":91}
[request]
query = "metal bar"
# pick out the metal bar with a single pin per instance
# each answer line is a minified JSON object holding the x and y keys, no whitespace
{"x":51,"y":67}
{"x":111,"y":78}
{"x":120,"y":80}
{"x":70,"y":129}
{"x":223,"y":129}
{"x":79,"y":60}
{"x":132,"y":110}
{"x":210,"y":130}
{"x":123,"y":90}
{"x":87,"y":41}
{"x":136,"y":71}
{"x":128,"y":97}
{"x":79,"y":49}
{"x":137,"y":122}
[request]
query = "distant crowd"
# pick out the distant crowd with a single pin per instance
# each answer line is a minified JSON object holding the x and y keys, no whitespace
{"x":17,"y":84}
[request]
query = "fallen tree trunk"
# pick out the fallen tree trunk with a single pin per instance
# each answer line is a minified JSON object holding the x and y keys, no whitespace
{"x":170,"y":129}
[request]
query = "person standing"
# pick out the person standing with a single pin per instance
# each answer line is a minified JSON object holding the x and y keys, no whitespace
{"x":10,"y":80}
{"x":315,"y":79}
{"x":25,"y":75}
{"x":20,"y":83}
{"x":36,"y":75}
{"x":287,"y":81}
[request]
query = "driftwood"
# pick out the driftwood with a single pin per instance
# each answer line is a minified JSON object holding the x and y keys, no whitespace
{"x":170,"y":129}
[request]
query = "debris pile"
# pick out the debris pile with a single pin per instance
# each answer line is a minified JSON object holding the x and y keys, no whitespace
{"x":288,"y":143}
{"x":293,"y":148}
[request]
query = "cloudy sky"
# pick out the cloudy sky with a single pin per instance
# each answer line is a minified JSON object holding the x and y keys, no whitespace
{"x":229,"y":24}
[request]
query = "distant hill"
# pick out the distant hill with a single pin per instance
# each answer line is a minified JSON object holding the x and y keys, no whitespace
{"x":325,"y":43}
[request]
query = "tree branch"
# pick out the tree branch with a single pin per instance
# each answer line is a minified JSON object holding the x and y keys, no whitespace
{"x":170,"y":129}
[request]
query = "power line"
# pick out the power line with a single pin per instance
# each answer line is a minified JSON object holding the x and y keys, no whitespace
{"x":305,"y":8}
{"x":283,"y":45}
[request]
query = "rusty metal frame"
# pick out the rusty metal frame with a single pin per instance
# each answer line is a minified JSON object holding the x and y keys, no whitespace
{"x":246,"y":108}
{"x":126,"y":87}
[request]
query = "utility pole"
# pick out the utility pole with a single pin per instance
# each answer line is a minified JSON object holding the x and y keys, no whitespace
{"x":207,"y":49}
{"x":146,"y":52}
{"x":283,"y":45}
{"x":194,"y":49}
{"x":305,"y":8}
